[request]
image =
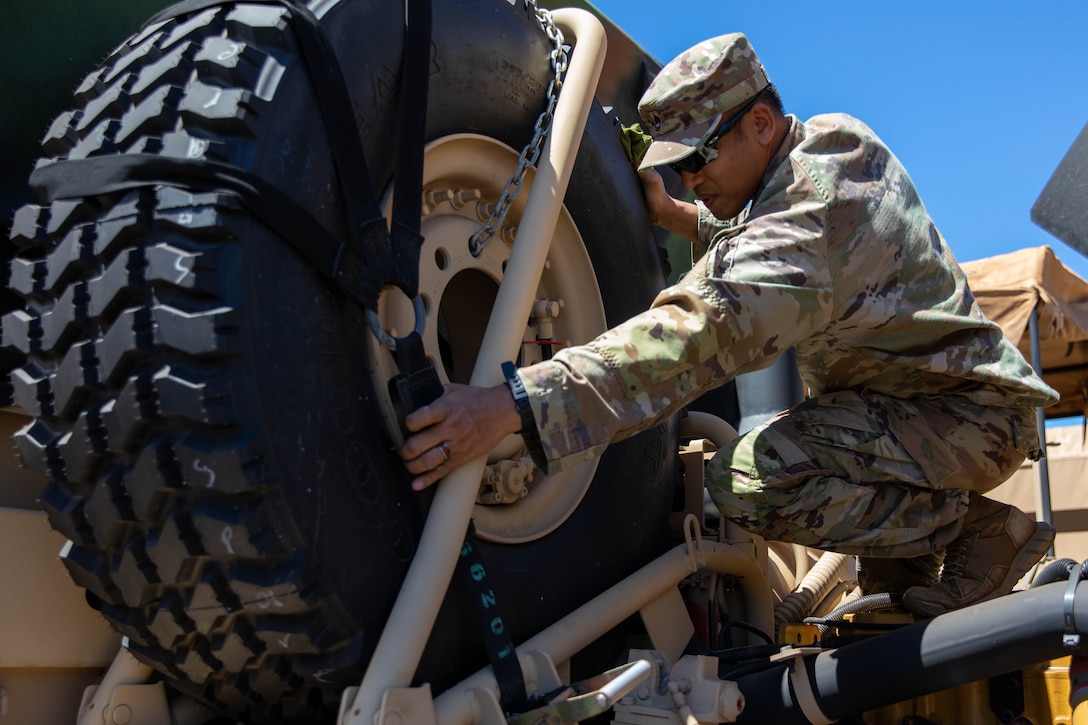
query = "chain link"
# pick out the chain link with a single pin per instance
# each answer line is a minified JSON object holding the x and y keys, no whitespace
{"x":531,"y":153}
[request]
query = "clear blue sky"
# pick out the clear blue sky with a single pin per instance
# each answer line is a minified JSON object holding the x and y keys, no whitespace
{"x":979,"y":100}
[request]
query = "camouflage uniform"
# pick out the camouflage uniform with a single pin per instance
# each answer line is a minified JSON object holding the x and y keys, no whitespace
{"x":915,"y":397}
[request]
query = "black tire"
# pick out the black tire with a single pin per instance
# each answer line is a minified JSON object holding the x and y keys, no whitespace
{"x":212,"y":451}
{"x":10,"y":358}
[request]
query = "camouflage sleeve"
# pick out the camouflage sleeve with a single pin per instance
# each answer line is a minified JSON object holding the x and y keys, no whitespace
{"x":710,"y":227}
{"x":750,"y":299}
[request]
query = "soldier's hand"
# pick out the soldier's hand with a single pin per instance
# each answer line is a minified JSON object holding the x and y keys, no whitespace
{"x":658,"y":201}
{"x":678,"y":217}
{"x":462,"y":425}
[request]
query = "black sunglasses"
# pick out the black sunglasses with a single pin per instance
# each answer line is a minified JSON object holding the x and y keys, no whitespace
{"x":705,"y":152}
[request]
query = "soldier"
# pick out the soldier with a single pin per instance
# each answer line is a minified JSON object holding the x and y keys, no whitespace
{"x":817,"y":240}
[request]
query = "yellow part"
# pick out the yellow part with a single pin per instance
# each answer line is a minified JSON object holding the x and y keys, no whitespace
{"x":1046,"y":700}
{"x":1046,"y":688}
{"x":799,"y":635}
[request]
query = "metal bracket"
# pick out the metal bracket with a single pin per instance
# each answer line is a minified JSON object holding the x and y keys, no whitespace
{"x":1070,"y":637}
{"x":131,"y":705}
{"x":689,"y":690}
{"x":124,"y":698}
{"x":399,"y":705}
{"x":802,"y":688}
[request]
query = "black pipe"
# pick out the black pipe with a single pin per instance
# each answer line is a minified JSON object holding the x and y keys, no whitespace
{"x":982,"y":641}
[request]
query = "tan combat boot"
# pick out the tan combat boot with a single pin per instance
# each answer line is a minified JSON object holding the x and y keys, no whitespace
{"x":895,"y":576}
{"x":996,"y":545}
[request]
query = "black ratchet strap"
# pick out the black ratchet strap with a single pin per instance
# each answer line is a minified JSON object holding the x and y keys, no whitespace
{"x":108,"y":174}
{"x":417,"y":384}
{"x":497,"y":640}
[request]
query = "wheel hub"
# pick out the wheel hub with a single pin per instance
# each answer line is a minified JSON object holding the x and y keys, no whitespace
{"x":464,"y":176}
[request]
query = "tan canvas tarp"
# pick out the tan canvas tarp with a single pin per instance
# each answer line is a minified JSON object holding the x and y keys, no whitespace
{"x":1009,"y":286}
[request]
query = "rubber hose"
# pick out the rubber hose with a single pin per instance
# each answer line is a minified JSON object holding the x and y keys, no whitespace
{"x":1055,"y":571}
{"x":812,"y":589}
{"x":868,"y":603}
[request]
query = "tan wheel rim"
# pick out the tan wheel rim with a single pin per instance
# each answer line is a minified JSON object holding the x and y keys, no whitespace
{"x":463,"y":177}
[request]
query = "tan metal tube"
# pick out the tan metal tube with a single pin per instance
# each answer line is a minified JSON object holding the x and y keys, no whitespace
{"x":405,"y":634}
{"x":517,"y":293}
{"x":697,"y":424}
{"x":561,"y":641}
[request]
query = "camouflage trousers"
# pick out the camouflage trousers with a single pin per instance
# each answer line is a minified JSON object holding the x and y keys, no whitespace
{"x":867,"y":474}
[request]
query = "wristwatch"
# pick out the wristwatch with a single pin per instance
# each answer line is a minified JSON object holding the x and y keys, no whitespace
{"x":528,"y":430}
{"x":521,"y":397}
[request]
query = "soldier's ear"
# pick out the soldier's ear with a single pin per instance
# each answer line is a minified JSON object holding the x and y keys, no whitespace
{"x":764,"y":123}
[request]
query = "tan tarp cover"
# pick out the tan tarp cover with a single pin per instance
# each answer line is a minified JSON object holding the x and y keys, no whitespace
{"x":1009,"y":286}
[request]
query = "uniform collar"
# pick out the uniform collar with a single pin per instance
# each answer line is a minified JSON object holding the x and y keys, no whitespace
{"x":793,"y":139}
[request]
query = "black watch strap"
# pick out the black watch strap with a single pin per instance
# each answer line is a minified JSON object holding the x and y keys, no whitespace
{"x":525,"y":410}
{"x":521,"y":398}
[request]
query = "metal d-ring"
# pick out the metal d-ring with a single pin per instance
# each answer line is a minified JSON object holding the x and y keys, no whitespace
{"x":384,"y":337}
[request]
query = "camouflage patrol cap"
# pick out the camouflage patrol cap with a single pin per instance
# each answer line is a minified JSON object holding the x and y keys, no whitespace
{"x":686,"y":101}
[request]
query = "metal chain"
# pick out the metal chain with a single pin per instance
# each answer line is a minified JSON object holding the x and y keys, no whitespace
{"x":531,"y":153}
